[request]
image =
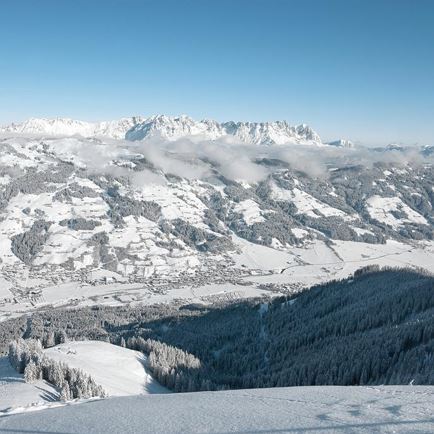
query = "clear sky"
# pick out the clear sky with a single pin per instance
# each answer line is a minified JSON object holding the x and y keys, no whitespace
{"x":357,"y":69}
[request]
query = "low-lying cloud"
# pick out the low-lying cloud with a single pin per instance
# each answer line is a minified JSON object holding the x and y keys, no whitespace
{"x":199,"y":159}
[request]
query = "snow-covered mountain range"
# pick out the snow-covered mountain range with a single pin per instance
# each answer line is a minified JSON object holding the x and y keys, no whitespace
{"x":165,"y":213}
{"x":258,"y":133}
{"x":136,"y":209}
{"x":70,"y":127}
{"x":171,"y":128}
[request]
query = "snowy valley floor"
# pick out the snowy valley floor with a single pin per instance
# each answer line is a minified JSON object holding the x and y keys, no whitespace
{"x":389,"y":409}
{"x":299,"y":267}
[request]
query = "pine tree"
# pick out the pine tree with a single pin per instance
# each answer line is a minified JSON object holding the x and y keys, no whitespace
{"x":61,"y":337}
{"x":13,"y":355}
{"x":49,"y":340}
{"x":31,"y":372}
{"x":65,"y":393}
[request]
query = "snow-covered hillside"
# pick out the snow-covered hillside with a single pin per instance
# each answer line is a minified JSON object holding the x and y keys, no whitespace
{"x":112,"y":221}
{"x":17,"y":396}
{"x":390,"y":409}
{"x":120,"y":371}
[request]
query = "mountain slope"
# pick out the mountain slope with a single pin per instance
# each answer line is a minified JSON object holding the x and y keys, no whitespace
{"x":373,"y":328}
{"x":16,"y":395}
{"x":119,"y":371}
{"x":98,"y":211}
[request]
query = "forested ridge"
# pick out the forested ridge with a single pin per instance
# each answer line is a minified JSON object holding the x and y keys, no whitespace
{"x":374,"y":328}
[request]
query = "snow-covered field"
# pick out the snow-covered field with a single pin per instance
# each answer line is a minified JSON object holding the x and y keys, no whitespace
{"x":390,"y":409}
{"x":319,"y":262}
{"x":118,"y":370}
{"x":382,"y":208}
{"x":17,"y":396}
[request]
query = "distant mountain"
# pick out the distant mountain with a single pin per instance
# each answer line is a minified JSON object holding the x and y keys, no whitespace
{"x":342,"y":143}
{"x":258,"y":133}
{"x":395,"y":147}
{"x":398,"y":148}
{"x":70,"y":127}
{"x":171,"y":128}
{"x":428,"y":150}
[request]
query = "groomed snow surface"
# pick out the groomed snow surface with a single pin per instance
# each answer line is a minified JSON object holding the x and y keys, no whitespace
{"x":118,"y":370}
{"x":138,"y":404}
{"x":393,"y":409}
{"x":17,"y":396}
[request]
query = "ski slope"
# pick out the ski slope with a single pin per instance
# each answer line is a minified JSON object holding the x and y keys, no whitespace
{"x":118,"y":370}
{"x":17,"y":396}
{"x":391,"y":409}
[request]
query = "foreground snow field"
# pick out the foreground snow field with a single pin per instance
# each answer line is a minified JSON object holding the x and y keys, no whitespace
{"x":393,"y":409}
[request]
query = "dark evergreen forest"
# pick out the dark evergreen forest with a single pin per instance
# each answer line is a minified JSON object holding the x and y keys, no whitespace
{"x":374,"y":328}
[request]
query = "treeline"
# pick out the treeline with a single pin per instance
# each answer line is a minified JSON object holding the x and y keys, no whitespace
{"x":171,"y":366}
{"x":374,"y":328}
{"x":27,"y":357}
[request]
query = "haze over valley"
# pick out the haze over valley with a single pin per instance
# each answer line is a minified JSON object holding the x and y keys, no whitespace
{"x":216,"y":216}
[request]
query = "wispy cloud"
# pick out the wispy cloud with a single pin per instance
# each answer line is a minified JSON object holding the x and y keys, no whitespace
{"x":199,"y":159}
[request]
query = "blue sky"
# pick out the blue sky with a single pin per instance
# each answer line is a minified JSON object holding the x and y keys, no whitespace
{"x":363,"y":70}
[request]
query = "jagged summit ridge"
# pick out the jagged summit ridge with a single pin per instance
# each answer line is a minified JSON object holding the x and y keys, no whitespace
{"x":171,"y":128}
{"x":258,"y":133}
